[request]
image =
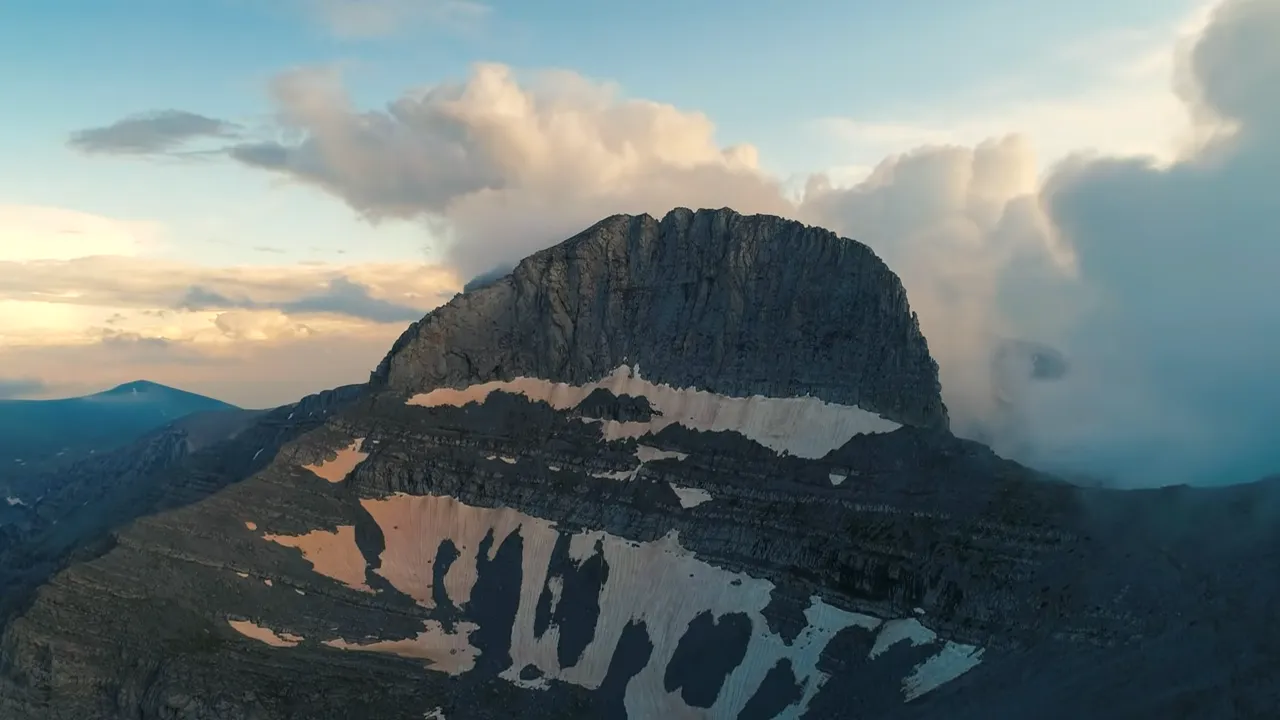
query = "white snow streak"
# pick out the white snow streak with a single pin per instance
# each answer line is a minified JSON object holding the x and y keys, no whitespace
{"x":802,"y":426}
{"x":690,"y":497}
{"x":264,"y":635}
{"x":337,"y":470}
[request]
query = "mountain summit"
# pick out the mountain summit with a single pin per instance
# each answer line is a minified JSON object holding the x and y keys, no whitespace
{"x":36,"y":432}
{"x":695,"y":467}
{"x":732,"y":304}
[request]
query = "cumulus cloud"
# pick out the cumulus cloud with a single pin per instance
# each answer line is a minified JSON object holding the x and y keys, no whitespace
{"x":1183,"y":340}
{"x":952,"y":222}
{"x":158,"y":132}
{"x":503,"y":169}
{"x":1113,"y":319}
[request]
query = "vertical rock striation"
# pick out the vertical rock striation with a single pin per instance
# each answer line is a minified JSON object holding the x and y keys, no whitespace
{"x":733,"y":304}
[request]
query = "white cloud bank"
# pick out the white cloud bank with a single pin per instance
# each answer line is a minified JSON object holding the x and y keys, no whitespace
{"x":1153,"y":275}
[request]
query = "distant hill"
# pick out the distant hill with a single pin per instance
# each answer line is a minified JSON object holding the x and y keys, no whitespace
{"x":40,"y":432}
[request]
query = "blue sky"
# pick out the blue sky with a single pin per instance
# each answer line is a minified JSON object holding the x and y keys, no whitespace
{"x":763,"y":71}
{"x":760,"y":68}
{"x":965,"y":142}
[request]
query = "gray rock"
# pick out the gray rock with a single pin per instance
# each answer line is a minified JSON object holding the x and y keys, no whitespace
{"x":734,"y":304}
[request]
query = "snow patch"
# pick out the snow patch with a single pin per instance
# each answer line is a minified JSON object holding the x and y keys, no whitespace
{"x":896,"y":631}
{"x":644,"y":579}
{"x":14,"y":501}
{"x":264,"y":635}
{"x":954,"y":660}
{"x":837,"y":478}
{"x":645,"y":454}
{"x":617,"y":474}
{"x":337,"y":470}
{"x":802,"y":426}
{"x":332,"y":554}
{"x":690,"y":497}
{"x":444,"y":651}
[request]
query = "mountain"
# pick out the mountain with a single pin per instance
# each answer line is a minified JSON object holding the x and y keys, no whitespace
{"x":53,"y":511}
{"x":688,"y":467}
{"x":40,"y":432}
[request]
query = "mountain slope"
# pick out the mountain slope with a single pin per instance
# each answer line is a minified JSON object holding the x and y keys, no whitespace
{"x":35,"y":432}
{"x":53,"y":514}
{"x":601,"y":487}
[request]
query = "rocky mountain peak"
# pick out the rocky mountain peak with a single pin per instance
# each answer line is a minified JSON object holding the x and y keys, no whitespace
{"x":738,"y":305}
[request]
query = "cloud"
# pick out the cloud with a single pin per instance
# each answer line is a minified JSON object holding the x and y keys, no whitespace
{"x":342,"y":297}
{"x":1112,"y":318}
{"x":24,"y":387}
{"x":503,"y":169}
{"x":1183,"y":340}
{"x":271,"y":325}
{"x":249,"y":374}
{"x":1141,"y":284}
{"x":955,"y":222}
{"x":158,"y":132}
{"x":377,"y":292}
{"x":252,"y":335}
{"x":487,"y":277}
{"x":354,"y":19}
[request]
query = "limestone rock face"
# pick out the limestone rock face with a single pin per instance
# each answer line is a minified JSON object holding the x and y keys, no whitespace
{"x":598,"y":488}
{"x":733,"y":304}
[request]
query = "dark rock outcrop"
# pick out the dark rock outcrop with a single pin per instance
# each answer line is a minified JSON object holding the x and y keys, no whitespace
{"x":734,"y":304}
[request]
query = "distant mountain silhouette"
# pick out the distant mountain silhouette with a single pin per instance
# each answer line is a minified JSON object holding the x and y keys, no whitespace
{"x":41,"y":432}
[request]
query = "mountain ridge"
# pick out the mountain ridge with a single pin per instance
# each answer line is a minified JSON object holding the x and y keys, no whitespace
{"x":55,"y":431}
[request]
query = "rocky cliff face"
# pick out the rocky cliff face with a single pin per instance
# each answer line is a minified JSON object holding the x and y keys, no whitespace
{"x":514,"y":520}
{"x":736,"y":305}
